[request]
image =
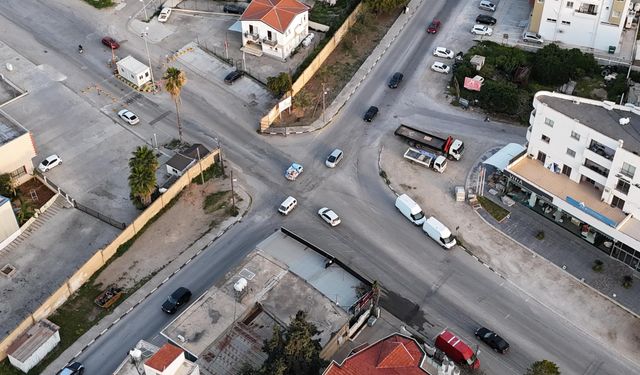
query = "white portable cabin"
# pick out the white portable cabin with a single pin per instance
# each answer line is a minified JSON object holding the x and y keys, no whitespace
{"x":134,"y":71}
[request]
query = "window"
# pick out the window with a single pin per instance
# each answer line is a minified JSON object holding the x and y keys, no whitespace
{"x":575,"y":136}
{"x":566,"y":170}
{"x":545,"y":139}
{"x":18,"y":172}
{"x":269,"y":35}
{"x":552,"y":20}
{"x":566,"y":23}
{"x":569,"y":4}
{"x":623,"y":186}
{"x":251,"y":29}
{"x":571,"y":153}
{"x":628,"y":170}
{"x":588,"y":8}
{"x":617,"y":202}
{"x":542,"y":156}
{"x":615,"y":14}
{"x":548,"y":121}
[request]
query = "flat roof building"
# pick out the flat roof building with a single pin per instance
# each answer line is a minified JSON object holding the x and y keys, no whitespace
{"x":32,"y":346}
{"x":581,"y":168}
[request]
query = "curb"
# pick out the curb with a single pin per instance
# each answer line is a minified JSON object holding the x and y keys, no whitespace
{"x":180,"y":267}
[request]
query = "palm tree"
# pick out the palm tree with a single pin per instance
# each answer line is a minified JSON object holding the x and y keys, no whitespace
{"x":142,"y":175}
{"x":174,"y":80}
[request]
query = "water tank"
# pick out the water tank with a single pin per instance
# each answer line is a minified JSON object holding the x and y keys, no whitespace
{"x":624,"y":120}
{"x":136,"y":354}
{"x":636,"y":7}
{"x":240,"y":284}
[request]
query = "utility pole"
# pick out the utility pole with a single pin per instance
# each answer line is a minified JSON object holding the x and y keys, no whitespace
{"x":146,"y":17}
{"x":324,"y":93}
{"x":220,"y":155}
{"x":144,"y":36}
{"x":233,"y":194}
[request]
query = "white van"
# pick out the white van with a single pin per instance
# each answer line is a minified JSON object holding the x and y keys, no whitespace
{"x":410,"y":209}
{"x":288,"y":205}
{"x":441,"y":234}
{"x":487,"y":5}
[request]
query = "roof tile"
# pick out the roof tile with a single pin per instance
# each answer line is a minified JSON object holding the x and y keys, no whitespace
{"x":278,"y":14}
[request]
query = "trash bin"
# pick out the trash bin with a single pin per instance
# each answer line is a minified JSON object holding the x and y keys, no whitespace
{"x":612,"y":50}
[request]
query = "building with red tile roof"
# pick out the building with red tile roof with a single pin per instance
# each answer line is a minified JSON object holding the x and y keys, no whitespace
{"x":165,"y":359}
{"x":274,"y":27}
{"x":394,"y":355}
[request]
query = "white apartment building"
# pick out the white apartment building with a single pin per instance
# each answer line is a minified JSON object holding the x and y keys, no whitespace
{"x":594,"y":24}
{"x":581,"y":169}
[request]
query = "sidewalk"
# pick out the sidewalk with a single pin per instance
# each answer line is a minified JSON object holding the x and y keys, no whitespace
{"x":92,"y":336}
{"x":564,"y":249}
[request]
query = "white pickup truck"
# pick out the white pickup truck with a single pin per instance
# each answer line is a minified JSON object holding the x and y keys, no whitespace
{"x":294,"y":170}
{"x":436,"y":162}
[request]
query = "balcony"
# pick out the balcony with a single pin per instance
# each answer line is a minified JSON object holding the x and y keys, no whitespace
{"x":532,"y":117}
{"x":597,"y":158}
{"x":255,"y":37}
{"x":602,"y":150}
{"x":528,"y":133}
{"x":270,"y":42}
{"x":594,"y":172}
{"x":589,"y":9}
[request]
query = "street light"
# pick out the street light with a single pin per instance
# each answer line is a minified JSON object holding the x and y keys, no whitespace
{"x":144,"y":36}
{"x":324,"y":94}
{"x":146,"y":17}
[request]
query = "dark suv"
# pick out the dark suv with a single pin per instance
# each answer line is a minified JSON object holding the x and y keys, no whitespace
{"x":484,"y":19}
{"x":75,"y":368}
{"x":492,"y":339}
{"x":395,"y":80}
{"x":233,"y":9}
{"x":371,"y":113}
{"x":178,"y":298}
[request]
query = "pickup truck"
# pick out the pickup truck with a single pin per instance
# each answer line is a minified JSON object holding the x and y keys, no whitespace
{"x":293,"y":171}
{"x":430,"y":160}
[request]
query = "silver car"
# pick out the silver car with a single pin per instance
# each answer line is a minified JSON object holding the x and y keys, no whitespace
{"x":334,"y":158}
{"x":532,"y":37}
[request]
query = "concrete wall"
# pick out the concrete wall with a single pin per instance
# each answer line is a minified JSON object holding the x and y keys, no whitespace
{"x":101,"y":257}
{"x":315,"y":65}
{"x":8,"y":222}
{"x":18,"y":153}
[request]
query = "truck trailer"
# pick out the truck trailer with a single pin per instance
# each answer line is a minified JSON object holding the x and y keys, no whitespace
{"x":430,"y":160}
{"x":449,"y":147}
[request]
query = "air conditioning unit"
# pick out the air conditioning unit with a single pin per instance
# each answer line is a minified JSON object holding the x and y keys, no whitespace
{"x":560,"y":31}
{"x":530,"y":156}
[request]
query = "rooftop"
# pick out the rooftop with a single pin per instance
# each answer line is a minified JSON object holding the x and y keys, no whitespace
{"x":276,"y":13}
{"x":27,"y":343}
{"x":10,"y":129}
{"x":601,"y":116}
{"x":180,"y":162}
{"x":129,"y":366}
{"x":394,"y":355}
{"x":563,"y":187}
{"x":164,"y":357}
{"x":131,"y":64}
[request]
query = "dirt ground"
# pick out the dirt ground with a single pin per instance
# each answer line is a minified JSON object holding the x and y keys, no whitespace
{"x":180,"y":226}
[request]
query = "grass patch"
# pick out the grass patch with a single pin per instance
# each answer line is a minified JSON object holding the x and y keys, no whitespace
{"x":100,"y":3}
{"x":214,"y":171}
{"x":493,"y":208}
{"x":215,"y":201}
{"x":585,"y":87}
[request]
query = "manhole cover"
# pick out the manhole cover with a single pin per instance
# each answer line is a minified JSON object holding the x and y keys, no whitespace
{"x":8,"y":270}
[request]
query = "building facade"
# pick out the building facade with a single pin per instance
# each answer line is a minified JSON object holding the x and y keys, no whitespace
{"x":275,"y":27}
{"x":17,"y":148}
{"x":594,"y":24}
{"x":581,"y":169}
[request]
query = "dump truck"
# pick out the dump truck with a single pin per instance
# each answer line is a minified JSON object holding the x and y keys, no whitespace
{"x":430,"y":160}
{"x":450,"y":147}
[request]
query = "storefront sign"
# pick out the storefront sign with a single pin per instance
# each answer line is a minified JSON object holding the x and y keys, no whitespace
{"x":517,"y":180}
{"x":590,"y":211}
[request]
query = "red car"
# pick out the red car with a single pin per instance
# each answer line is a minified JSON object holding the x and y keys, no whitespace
{"x":434,"y":26}
{"x":110,"y":42}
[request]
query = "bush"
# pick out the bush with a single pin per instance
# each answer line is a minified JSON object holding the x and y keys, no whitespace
{"x":598,"y":265}
{"x":540,"y":235}
{"x":279,"y":84}
{"x":554,"y":65}
{"x":616,"y":87}
{"x":627,"y":281}
{"x":500,"y":97}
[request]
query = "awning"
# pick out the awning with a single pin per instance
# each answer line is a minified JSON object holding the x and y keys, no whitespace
{"x":501,"y":159}
{"x":237,"y":27}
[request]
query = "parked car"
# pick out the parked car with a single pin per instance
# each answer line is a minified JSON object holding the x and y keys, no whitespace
{"x":233,"y":9}
{"x":129,"y":116}
{"x":178,"y":298}
{"x":443,"y":52}
{"x":487,"y":5}
{"x":371,"y":113}
{"x":481,"y":30}
{"x":329,"y":216}
{"x":232,"y":77}
{"x":334,"y":158}
{"x":110,"y":42}
{"x":164,"y":14}
{"x":434,"y":26}
{"x":288,"y":205}
{"x":532,"y":37}
{"x":49,"y":163}
{"x":395,"y":80}
{"x":440,"y":67}
{"x":487,"y":20}
{"x":74,"y":368}
{"x":492,"y":339}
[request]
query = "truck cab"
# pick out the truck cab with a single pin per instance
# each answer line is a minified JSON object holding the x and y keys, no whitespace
{"x":455,"y":149}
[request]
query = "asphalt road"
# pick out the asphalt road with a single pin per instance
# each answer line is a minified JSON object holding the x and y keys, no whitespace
{"x":426,"y":286}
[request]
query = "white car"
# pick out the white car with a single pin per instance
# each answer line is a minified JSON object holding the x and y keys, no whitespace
{"x":443,"y":52}
{"x":440,"y":67}
{"x":481,"y":30}
{"x":334,"y":158}
{"x":532,"y":37}
{"x":164,"y":15}
{"x":329,"y":216}
{"x":129,"y":116}
{"x":50,"y":162}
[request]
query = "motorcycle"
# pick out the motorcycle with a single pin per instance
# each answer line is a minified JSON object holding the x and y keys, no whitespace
{"x":80,"y":50}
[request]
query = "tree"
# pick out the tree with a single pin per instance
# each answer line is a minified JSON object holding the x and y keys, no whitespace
{"x":294,"y":351}
{"x":554,"y":65}
{"x":279,"y":84}
{"x":379,"y":6}
{"x":543,"y":367}
{"x":175,"y":79}
{"x":6,"y":186}
{"x":500,"y":97}
{"x":142,"y":174}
